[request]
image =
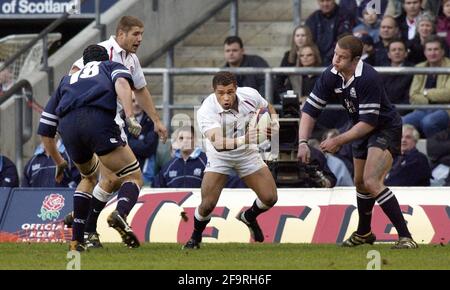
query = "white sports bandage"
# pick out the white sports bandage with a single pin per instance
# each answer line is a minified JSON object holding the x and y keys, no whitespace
{"x":201,"y":218}
{"x":101,"y":195}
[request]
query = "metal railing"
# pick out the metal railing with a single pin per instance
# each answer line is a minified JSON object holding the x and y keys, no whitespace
{"x":100,"y":26}
{"x":168,"y":73}
{"x":297,"y":12}
{"x":22,"y":93}
{"x":44,"y":36}
{"x":168,"y":48}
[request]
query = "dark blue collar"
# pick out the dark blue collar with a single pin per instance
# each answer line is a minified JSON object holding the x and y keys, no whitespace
{"x":195,"y":154}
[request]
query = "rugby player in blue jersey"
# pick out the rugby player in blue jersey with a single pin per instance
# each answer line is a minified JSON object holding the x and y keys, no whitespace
{"x":375,"y":135}
{"x":82,"y":110}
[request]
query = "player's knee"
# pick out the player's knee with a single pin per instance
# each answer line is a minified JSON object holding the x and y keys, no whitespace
{"x":90,"y":170}
{"x":372,"y":184}
{"x":206,"y":207}
{"x":87,"y":183}
{"x":359,"y":184}
{"x":273,"y":200}
{"x":270,"y":201}
{"x":92,"y":180}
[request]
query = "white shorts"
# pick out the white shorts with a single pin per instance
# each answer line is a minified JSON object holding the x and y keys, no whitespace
{"x":246,"y":165}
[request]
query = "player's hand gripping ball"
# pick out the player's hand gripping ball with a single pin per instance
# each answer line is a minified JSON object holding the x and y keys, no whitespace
{"x":262,"y":122}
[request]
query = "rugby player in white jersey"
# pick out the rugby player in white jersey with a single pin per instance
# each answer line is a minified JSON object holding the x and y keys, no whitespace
{"x":122,"y":49}
{"x":230,"y":147}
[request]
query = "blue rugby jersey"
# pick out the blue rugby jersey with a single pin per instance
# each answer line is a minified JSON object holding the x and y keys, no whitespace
{"x":363,"y":96}
{"x":93,"y":86}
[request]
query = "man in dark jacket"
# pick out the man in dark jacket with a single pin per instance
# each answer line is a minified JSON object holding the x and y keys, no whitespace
{"x":438,"y":148}
{"x":388,"y":32}
{"x":40,"y":170}
{"x":397,"y":86}
{"x":185,"y":169}
{"x":411,"y":168}
{"x":235,"y":57}
{"x":326,"y":25}
{"x":182,"y":173}
{"x":8,"y":173}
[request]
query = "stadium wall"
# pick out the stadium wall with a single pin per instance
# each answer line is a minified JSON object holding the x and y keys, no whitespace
{"x":160,"y":26}
{"x":300,"y":216}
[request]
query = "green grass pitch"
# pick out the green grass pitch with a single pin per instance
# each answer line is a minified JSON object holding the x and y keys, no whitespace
{"x":231,"y":256}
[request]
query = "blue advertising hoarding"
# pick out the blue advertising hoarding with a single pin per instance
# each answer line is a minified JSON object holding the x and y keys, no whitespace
{"x":36,"y":215}
{"x":4,"y":193}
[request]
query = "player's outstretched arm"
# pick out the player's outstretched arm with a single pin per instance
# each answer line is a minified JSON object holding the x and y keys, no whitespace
{"x":52,"y":149}
{"x":305,"y":129}
{"x":145,"y":100}
{"x":359,"y":130}
{"x":274,"y":122}
{"x":124,"y":92}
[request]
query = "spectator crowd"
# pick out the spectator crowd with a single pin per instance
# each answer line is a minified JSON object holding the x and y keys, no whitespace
{"x":405,"y":33}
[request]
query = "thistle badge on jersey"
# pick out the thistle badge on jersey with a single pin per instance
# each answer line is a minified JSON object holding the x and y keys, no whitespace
{"x":353,"y":93}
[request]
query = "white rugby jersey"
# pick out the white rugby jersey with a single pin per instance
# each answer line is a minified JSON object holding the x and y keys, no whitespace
{"x":211,"y":115}
{"x":118,"y":54}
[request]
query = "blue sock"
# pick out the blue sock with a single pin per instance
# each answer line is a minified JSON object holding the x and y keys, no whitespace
{"x":96,"y":207}
{"x":365,"y":206}
{"x":127,"y":198}
{"x":81,"y":203}
{"x":388,"y":202}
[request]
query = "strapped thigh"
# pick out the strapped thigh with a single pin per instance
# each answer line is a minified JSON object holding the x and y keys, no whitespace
{"x":128,"y":169}
{"x":91,"y":171}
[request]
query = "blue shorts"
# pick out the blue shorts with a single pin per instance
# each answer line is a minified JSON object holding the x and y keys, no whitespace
{"x":389,"y":139}
{"x":89,"y":130}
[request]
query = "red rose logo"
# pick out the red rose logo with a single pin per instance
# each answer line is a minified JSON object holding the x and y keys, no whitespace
{"x":53,"y":202}
{"x":51,"y":206}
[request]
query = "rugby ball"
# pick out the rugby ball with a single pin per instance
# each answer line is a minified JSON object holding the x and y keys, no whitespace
{"x":261,"y":121}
